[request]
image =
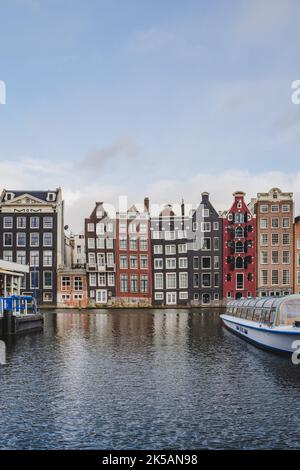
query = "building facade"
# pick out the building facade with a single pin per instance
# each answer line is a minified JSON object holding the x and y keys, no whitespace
{"x":170,"y":261}
{"x":239,"y":250}
{"x":275,"y":243}
{"x":297,"y":255}
{"x":71,"y":288}
{"x":133,"y":257}
{"x":205,"y":255}
{"x":31,"y":233}
{"x":100,"y":248}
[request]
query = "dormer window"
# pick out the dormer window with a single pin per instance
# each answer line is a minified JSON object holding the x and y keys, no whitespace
{"x":9,"y":196}
{"x":51,"y":197}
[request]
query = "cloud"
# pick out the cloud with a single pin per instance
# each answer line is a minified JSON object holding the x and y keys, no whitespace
{"x":124,"y":148}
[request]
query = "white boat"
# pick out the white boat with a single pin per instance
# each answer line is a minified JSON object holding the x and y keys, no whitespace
{"x":272,"y":323}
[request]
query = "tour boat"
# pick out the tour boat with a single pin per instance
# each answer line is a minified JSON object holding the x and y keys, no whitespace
{"x":272,"y":323}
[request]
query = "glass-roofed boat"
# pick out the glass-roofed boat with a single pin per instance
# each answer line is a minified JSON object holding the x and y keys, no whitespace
{"x":269,"y":322}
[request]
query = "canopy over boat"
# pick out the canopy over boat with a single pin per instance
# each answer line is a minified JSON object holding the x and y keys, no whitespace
{"x":278,"y":310}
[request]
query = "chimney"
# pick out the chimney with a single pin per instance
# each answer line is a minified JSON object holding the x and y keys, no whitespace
{"x":182,"y":208}
{"x":146,"y":204}
{"x":205,"y":197}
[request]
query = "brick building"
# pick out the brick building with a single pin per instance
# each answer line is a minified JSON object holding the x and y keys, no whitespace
{"x":297,"y":255}
{"x":239,"y":250}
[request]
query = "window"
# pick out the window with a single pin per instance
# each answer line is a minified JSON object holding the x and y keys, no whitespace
{"x":216,"y":278}
{"x":216,"y":262}
{"x":183,"y":263}
{"x":196,"y":262}
{"x":275,"y":257}
{"x":158,"y":249}
{"x":206,"y":244}
{"x":7,"y":222}
{"x":7,"y":239}
{"x":110,"y":279}
{"x":169,"y":235}
{"x":275,"y":239}
{"x":196,"y":280}
{"x":275,"y":208}
{"x":48,"y":239}
{"x":47,"y":258}
{"x":170,"y":249}
{"x":285,"y":257}
{"x":171,"y":281}
{"x":100,"y":229}
{"x":285,"y":222}
{"x":48,"y":280}
{"x":264,"y":223}
{"x":34,"y":279}
{"x":133,"y":262}
{"x":92,"y":259}
{"x":285,"y":238}
{"x":264,"y":277}
{"x":264,"y":239}
{"x":134,"y":283}
{"x":183,"y":280}
{"x":122,"y":228}
{"x":91,"y":227}
{"x":275,"y":223}
{"x":170,"y":263}
{"x":48,"y":222}
{"x":239,"y":247}
{"x":143,"y":244}
{"x":34,"y":258}
{"x":239,"y":232}
{"x":264,"y":208}
{"x":124,"y":283}
{"x":92,"y":278}
{"x":21,"y":239}
{"x":65,"y":283}
{"x":216,"y":225}
{"x":205,"y":227}
{"x":158,"y":281}
{"x":206,"y":262}
{"x":101,"y":260}
{"x":110,"y":243}
{"x":239,"y":218}
{"x":123,"y":243}
{"x":7,"y":255}
{"x":263,"y":257}
{"x":240,"y":281}
{"x":133,"y":243}
{"x":206,"y":280}
{"x":144,"y":284}
{"x":239,"y":264}
{"x":110,"y":260}
{"x":21,"y":257}
{"x":101,"y":279}
{"x":285,"y":208}
{"x":109,"y":227}
{"x":123,"y":262}
{"x":195,"y":226}
{"x":144,"y":261}
{"x":206,"y":298}
{"x":183,"y":295}
{"x":34,"y":222}
{"x":275,"y":277}
{"x":47,"y":297}
{"x":21,"y":222}
{"x":182,"y":248}
{"x":159,"y":296}
{"x":91,"y":243}
{"x":216,"y":243}
{"x":34,"y":239}
{"x":205,"y":212}
{"x":286,"y":277}
{"x":100,"y":243}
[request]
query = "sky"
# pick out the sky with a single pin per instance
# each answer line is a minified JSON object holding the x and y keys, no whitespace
{"x":158,"y":98}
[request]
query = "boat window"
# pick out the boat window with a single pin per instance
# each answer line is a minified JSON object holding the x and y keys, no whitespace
{"x":289,"y":311}
{"x":249,"y":313}
{"x":256,"y":316}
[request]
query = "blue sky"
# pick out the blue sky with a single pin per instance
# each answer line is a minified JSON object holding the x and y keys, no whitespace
{"x":161,"y":98}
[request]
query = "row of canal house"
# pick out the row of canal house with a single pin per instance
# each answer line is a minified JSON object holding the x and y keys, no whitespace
{"x":178,"y":256}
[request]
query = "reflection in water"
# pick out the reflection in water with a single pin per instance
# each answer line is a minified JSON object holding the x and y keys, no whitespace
{"x":145,"y":379}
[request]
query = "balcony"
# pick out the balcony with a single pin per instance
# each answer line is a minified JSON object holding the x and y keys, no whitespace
{"x":91,"y":267}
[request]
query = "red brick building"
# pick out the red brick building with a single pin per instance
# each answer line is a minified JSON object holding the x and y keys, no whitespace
{"x":71,"y":288}
{"x":239,"y":248}
{"x":133,"y":258}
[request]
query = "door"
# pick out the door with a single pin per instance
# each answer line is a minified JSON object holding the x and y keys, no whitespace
{"x":101,"y":296}
{"x":171,"y":298}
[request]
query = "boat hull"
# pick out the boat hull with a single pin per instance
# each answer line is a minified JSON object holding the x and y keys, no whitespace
{"x":271,"y":339}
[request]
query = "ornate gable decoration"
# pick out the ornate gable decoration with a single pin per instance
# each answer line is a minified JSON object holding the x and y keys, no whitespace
{"x":26,"y":199}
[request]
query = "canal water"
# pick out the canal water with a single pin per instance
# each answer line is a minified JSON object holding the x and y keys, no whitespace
{"x":145,"y":380}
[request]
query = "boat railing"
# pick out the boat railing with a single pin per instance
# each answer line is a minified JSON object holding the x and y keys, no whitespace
{"x":19,"y":305}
